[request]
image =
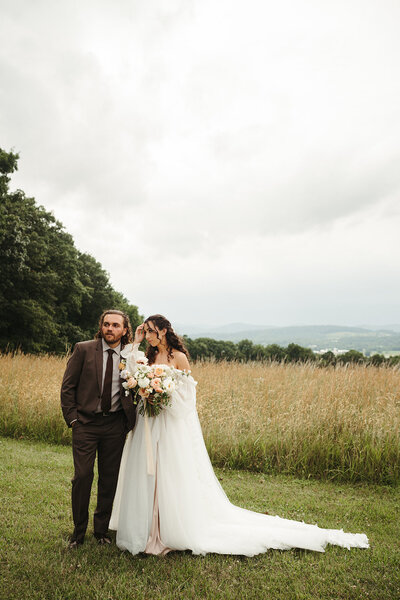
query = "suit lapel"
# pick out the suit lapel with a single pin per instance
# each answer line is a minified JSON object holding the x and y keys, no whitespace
{"x":99,"y":363}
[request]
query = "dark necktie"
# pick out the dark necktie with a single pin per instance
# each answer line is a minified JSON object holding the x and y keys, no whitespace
{"x":106,"y":395}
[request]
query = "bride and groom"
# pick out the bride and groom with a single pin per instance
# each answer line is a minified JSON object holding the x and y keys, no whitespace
{"x":157,"y":488}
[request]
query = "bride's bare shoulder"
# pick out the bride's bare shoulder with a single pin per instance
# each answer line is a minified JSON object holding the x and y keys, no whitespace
{"x":181,"y":361}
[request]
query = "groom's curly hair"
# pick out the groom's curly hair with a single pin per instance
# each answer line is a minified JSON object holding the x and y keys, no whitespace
{"x":174,"y":342}
{"x":128,"y":337}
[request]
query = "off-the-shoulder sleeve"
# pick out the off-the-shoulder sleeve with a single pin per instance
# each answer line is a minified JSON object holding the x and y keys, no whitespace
{"x":132,"y":354}
{"x":183,"y":399}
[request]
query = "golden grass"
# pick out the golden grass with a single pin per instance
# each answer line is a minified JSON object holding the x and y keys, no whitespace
{"x":341,"y":423}
{"x":30,"y":397}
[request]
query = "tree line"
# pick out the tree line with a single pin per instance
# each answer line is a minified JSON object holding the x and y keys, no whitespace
{"x":246,"y":351}
{"x":51,"y":294}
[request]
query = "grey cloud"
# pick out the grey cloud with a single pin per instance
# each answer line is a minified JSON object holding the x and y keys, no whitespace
{"x":218,"y":133}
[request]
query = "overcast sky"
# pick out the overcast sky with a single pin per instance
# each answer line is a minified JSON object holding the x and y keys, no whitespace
{"x":224,"y":160}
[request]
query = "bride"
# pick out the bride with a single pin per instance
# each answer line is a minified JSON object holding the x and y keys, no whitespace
{"x":168,"y":497}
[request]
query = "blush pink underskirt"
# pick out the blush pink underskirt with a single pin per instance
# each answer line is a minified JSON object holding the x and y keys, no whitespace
{"x":154,"y":543}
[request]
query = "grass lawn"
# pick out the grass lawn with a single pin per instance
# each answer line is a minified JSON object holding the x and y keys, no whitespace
{"x":36,"y":521}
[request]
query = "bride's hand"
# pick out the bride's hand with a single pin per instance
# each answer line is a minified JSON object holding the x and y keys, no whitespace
{"x":139,"y":334}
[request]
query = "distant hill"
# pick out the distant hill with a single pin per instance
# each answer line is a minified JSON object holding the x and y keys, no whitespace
{"x":317,"y":337}
{"x":229,"y":329}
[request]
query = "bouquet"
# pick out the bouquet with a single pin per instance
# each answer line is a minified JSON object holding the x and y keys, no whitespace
{"x":154,"y":384}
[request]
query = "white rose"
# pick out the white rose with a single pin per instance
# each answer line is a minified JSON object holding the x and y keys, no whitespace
{"x":168,"y":384}
{"x":124,"y":374}
{"x":143,"y":382}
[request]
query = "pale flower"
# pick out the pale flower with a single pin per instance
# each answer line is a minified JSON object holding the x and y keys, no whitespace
{"x":169,"y":385}
{"x":143,"y":382}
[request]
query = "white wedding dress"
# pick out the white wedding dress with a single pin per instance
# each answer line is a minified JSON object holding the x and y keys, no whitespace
{"x":182,"y":506}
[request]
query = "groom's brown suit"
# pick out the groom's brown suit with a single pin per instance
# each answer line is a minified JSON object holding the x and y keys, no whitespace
{"x":93,"y":432}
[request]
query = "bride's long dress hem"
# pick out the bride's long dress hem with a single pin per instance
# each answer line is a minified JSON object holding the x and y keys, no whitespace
{"x":183,"y":507}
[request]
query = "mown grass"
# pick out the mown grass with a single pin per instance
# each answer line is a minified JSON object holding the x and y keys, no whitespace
{"x":334,"y":423}
{"x":36,"y":521}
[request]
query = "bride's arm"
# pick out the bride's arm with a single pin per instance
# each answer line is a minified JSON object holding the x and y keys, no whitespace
{"x":183,"y":400}
{"x":139,"y":334}
{"x":131,"y":352}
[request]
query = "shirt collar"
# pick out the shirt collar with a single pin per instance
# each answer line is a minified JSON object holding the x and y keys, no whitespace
{"x":106,"y":347}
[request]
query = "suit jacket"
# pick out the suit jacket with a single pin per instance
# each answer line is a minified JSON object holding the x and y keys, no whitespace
{"x":81,"y":385}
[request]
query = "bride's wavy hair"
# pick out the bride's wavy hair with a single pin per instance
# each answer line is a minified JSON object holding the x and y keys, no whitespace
{"x":128,"y":337}
{"x":174,"y":342}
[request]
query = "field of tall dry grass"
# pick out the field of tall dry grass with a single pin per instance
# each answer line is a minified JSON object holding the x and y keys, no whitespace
{"x":337,"y":423}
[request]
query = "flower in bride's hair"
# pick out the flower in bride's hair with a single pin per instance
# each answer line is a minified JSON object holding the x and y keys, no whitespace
{"x":143,"y":382}
{"x":131,"y":382}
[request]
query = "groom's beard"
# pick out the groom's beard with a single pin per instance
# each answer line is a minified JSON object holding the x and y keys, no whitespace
{"x":111,"y":338}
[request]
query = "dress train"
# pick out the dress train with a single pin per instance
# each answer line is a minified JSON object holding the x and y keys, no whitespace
{"x":183,"y":506}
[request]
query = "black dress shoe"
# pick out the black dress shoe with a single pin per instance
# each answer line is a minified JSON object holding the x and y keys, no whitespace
{"x":103,"y":540}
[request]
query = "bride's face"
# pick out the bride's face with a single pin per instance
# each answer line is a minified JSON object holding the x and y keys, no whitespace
{"x":154,"y":336}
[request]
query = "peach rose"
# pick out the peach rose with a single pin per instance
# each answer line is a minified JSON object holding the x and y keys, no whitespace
{"x":158,"y":371}
{"x":131,"y":382}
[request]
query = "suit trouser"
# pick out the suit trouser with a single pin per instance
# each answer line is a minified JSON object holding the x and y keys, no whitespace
{"x":105,"y":435}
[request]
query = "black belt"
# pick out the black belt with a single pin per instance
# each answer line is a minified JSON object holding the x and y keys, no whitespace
{"x":116,"y":413}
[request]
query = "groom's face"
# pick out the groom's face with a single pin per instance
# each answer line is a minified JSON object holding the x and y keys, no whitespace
{"x":113,"y":329}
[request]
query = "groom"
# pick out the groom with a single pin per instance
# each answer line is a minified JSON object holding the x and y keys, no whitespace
{"x":94,"y":404}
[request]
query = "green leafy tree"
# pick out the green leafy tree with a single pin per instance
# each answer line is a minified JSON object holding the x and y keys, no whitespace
{"x":275,"y":352}
{"x":296,"y":353}
{"x":377,"y":360}
{"x":245,"y":350}
{"x":327,"y":359}
{"x":51,"y":295}
{"x":351,"y":356}
{"x":393,"y":361}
